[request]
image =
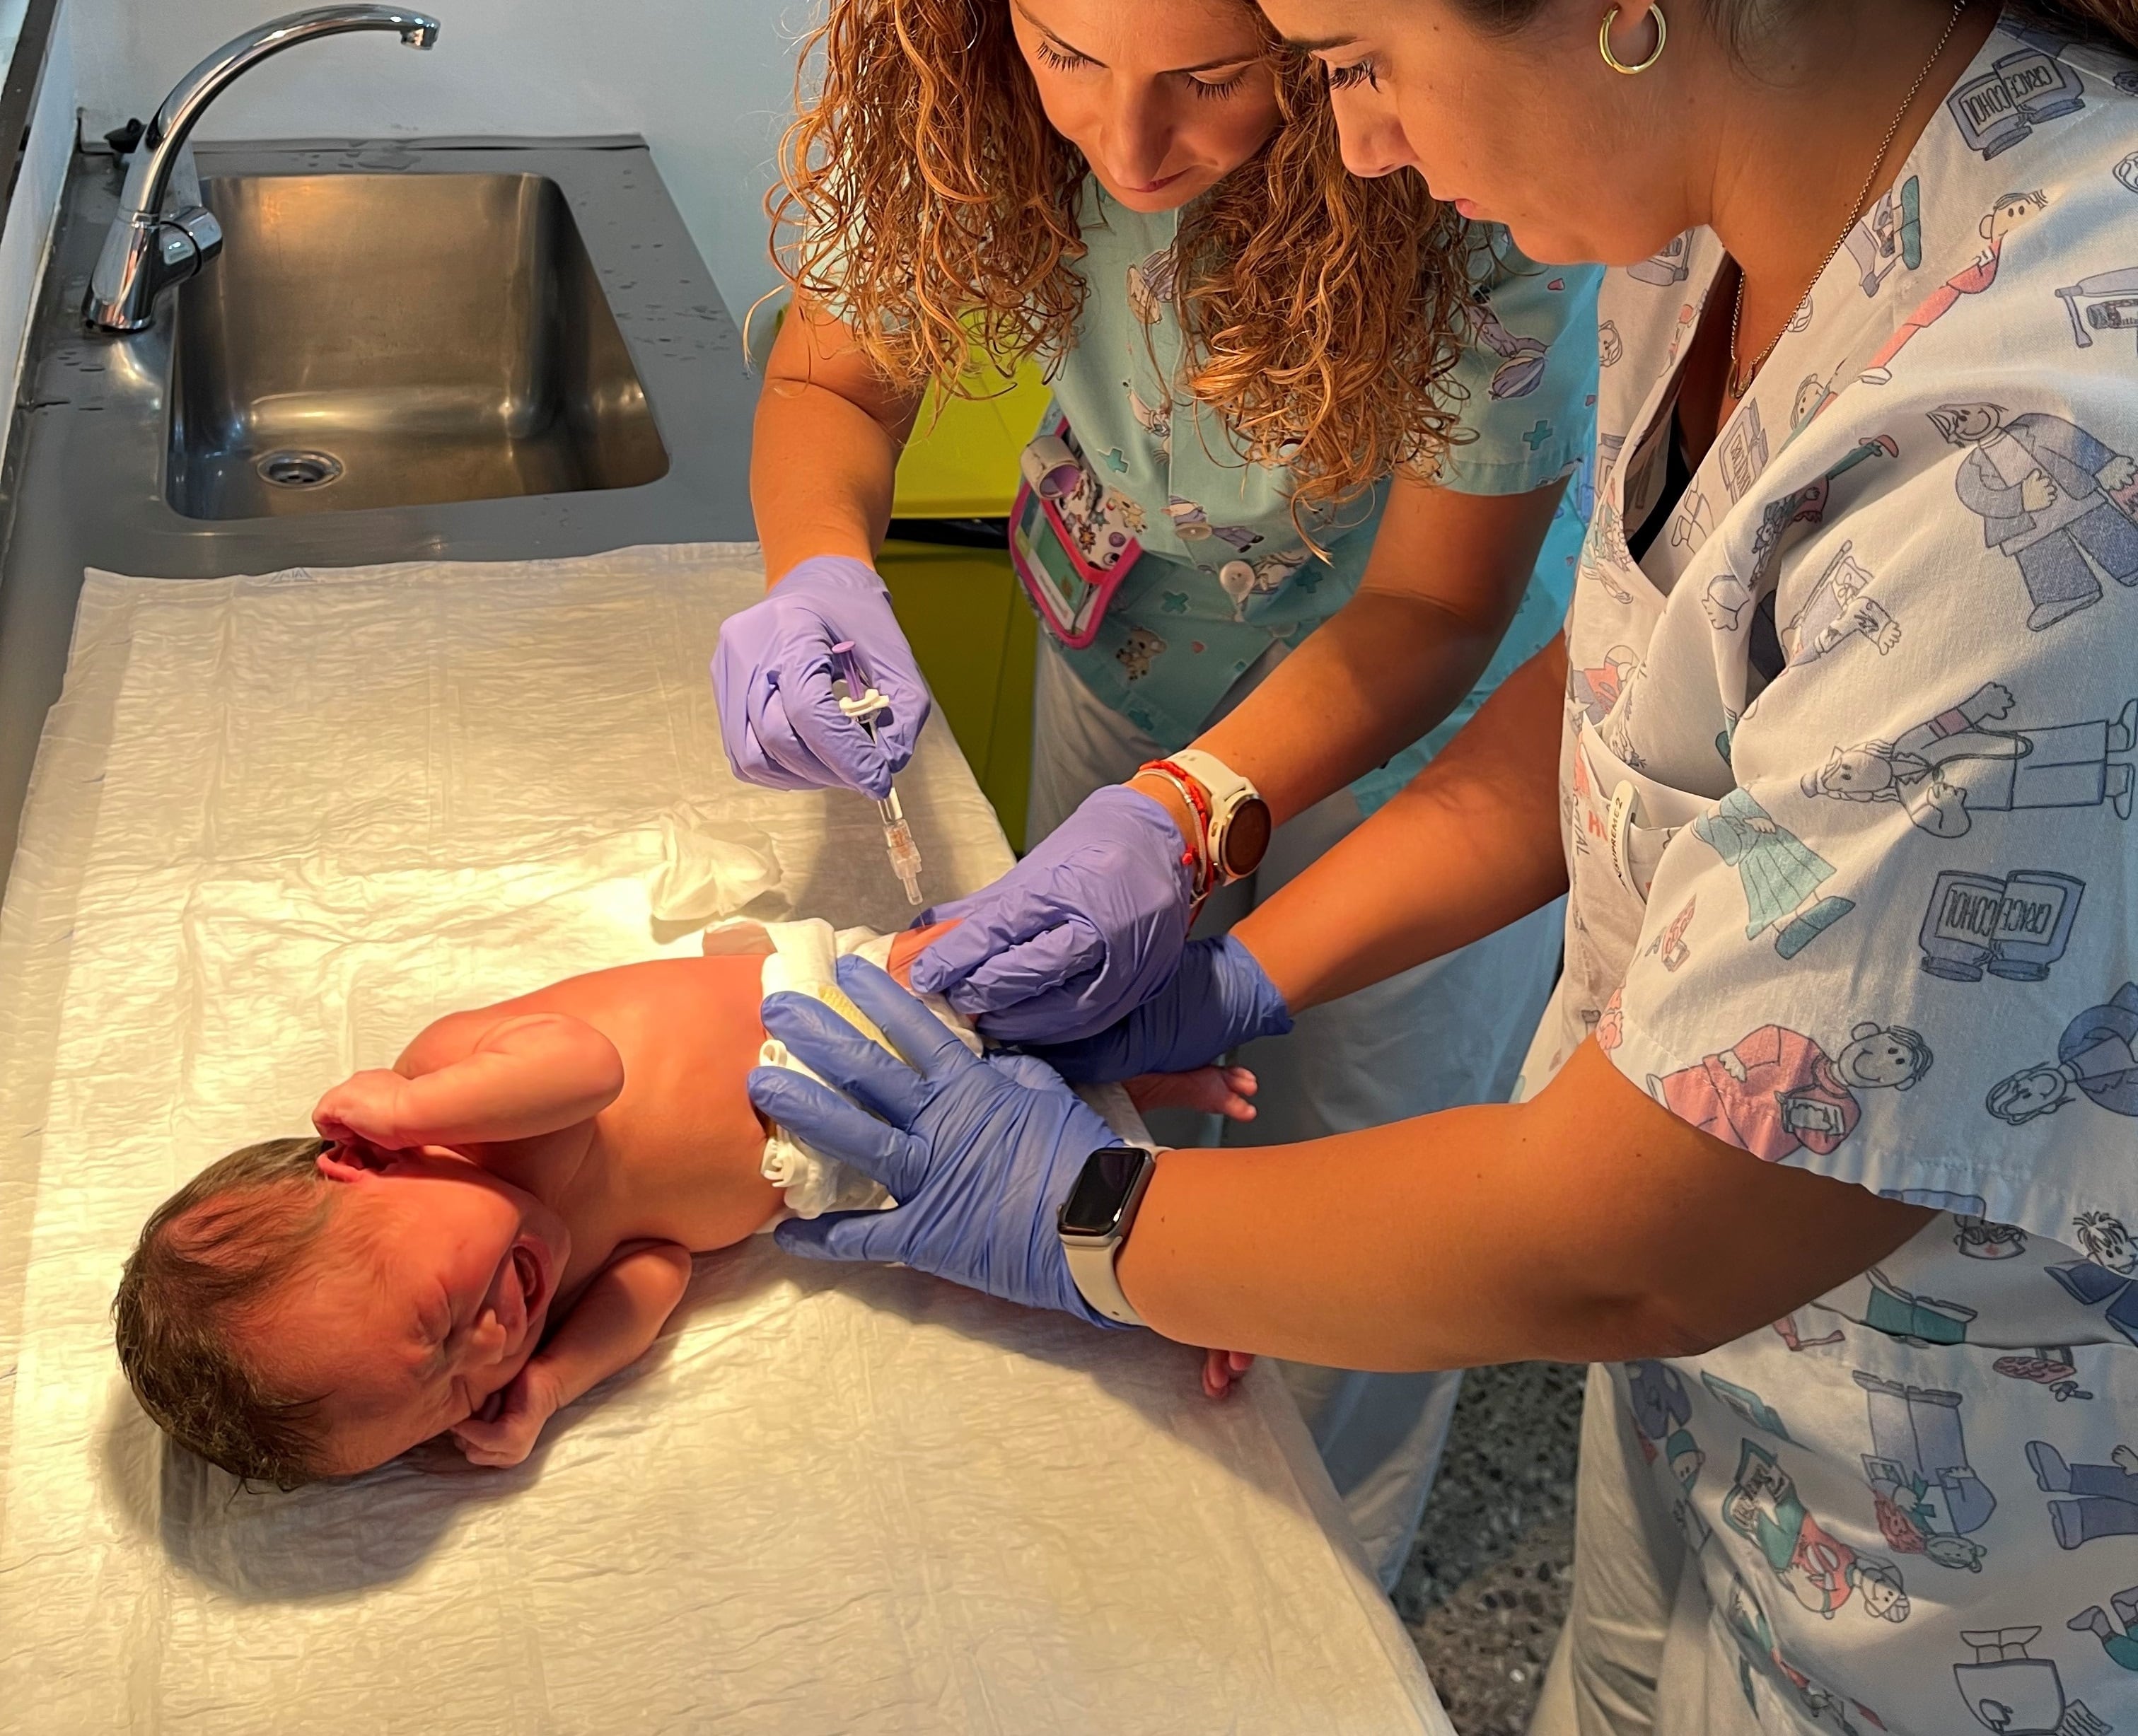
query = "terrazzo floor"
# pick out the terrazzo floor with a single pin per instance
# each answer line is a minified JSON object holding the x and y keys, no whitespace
{"x":1486,"y":1589}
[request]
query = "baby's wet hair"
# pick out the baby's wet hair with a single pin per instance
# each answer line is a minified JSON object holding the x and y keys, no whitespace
{"x":211,"y":1255}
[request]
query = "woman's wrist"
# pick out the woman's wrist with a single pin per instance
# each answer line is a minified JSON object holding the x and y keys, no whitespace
{"x":1168,"y":796}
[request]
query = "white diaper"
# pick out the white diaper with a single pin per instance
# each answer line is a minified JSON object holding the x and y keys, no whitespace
{"x":804,"y":960}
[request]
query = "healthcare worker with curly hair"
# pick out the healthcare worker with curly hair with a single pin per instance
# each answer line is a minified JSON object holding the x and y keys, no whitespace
{"x":1825,"y":1149}
{"x":1309,"y":443}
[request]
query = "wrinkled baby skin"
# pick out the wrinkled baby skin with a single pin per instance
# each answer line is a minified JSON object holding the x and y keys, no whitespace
{"x":519,"y":1197}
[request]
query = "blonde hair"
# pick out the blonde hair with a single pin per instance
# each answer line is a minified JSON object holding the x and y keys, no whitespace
{"x":934,"y":209}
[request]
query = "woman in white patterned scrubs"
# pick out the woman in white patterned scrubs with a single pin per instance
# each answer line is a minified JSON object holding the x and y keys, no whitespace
{"x":1829,"y":1157}
{"x":1170,"y":135}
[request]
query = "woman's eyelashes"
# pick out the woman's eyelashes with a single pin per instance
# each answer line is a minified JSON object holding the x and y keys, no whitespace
{"x":1359,"y":72}
{"x":1218,"y":88}
{"x":1062,"y":59}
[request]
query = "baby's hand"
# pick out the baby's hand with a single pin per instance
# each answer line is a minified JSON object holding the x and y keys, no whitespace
{"x":1207,"y":1091}
{"x":1222,"y":1371}
{"x":364,"y":1109}
{"x":503,"y":1431}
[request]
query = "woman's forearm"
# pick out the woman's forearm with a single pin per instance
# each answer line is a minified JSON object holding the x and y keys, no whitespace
{"x":824,"y":449}
{"x":1448,"y":574}
{"x":820,"y":476}
{"x":1588,"y":1225}
{"x":1471,"y":844}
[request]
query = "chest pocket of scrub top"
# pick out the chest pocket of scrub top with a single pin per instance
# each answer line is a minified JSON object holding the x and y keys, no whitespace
{"x":1634,"y":816}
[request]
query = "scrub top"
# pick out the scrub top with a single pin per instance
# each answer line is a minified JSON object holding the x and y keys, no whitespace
{"x":1174,"y":637}
{"x":1847,"y":781}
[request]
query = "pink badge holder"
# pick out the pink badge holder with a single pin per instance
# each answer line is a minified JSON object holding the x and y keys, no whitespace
{"x":1069,"y":556}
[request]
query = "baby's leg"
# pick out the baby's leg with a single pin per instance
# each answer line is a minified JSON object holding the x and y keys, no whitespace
{"x":910,"y":945}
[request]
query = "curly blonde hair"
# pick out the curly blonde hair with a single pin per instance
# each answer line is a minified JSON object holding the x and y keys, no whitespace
{"x":934,"y":207}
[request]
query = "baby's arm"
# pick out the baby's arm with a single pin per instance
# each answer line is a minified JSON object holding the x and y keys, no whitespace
{"x":526,"y":1076}
{"x":610,"y":1328}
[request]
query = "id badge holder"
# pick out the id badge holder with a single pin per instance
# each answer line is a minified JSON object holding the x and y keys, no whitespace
{"x":1069,"y":559}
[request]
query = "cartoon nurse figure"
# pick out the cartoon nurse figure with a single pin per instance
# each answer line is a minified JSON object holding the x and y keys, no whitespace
{"x":2008,"y":213}
{"x":1781,"y":876}
{"x":1776,"y":1092}
{"x":2096,"y":1059}
{"x":2046,"y":492}
{"x":1952,"y":766}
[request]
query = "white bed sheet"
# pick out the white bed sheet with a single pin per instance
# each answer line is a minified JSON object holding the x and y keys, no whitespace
{"x":277,"y":824}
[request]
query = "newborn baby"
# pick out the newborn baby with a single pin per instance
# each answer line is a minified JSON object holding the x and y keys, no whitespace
{"x":503,"y":1219}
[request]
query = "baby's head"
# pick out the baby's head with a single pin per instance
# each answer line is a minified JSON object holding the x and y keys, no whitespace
{"x":302,"y":1310}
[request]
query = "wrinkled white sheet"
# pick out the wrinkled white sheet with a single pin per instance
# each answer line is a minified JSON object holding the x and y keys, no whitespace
{"x":280,"y":822}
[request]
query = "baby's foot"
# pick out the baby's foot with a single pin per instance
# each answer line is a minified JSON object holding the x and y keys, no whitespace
{"x":1223,"y":1370}
{"x":1206,"y":1091}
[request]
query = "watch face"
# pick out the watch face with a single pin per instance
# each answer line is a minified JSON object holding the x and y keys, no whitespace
{"x":1247,"y":839}
{"x":1095,"y":1204}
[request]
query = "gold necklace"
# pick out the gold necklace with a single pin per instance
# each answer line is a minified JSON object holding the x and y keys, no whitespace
{"x":1740,"y":380}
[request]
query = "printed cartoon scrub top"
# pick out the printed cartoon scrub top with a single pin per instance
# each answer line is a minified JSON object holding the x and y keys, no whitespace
{"x":1175,"y":638}
{"x":1848,"y":792}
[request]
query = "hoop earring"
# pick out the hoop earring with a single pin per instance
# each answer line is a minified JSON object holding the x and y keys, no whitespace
{"x":1612,"y":61}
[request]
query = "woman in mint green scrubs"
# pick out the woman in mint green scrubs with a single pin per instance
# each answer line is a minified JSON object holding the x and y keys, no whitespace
{"x":1321,"y":656}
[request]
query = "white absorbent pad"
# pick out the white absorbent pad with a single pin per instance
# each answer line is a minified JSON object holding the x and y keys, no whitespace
{"x":280,"y":823}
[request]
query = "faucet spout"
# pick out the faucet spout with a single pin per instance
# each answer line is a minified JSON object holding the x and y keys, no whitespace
{"x":148,"y":250}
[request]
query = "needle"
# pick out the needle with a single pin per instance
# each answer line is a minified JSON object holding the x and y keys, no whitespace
{"x":861,"y":703}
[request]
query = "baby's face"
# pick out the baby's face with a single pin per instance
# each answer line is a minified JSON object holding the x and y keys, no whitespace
{"x":427,"y":1295}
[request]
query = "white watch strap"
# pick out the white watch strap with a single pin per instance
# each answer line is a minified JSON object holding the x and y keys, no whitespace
{"x":1091,"y":1269}
{"x":1219,"y":780}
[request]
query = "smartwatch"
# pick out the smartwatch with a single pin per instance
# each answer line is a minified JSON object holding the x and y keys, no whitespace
{"x":1235,"y":820}
{"x":1096,"y":1220}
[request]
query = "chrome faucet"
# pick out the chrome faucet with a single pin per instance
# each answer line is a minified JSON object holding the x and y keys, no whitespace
{"x":148,"y":250}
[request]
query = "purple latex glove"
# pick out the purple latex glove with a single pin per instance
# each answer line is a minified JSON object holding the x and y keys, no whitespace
{"x":980,"y":1153}
{"x":1219,"y":998}
{"x":1083,"y":929}
{"x":773,"y":675}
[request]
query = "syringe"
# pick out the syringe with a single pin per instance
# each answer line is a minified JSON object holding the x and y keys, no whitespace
{"x":861,"y":703}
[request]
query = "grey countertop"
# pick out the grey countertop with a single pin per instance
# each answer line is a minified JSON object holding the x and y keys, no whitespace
{"x":85,"y":482}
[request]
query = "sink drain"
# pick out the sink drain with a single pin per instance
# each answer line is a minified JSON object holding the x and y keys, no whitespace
{"x":294,"y":468}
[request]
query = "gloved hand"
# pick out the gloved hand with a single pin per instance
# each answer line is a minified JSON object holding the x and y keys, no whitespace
{"x":1219,"y":998}
{"x":1078,"y":933}
{"x":979,"y":1153}
{"x":773,"y":675}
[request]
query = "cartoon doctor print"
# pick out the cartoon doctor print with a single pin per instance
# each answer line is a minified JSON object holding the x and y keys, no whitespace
{"x":2096,"y":1059}
{"x":2050,"y":495}
{"x":1951,"y":766}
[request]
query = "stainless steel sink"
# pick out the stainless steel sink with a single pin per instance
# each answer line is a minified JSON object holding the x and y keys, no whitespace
{"x":370,"y":340}
{"x":462,"y":337}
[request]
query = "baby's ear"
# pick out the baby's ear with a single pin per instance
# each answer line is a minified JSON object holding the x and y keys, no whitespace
{"x":345,"y":1164}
